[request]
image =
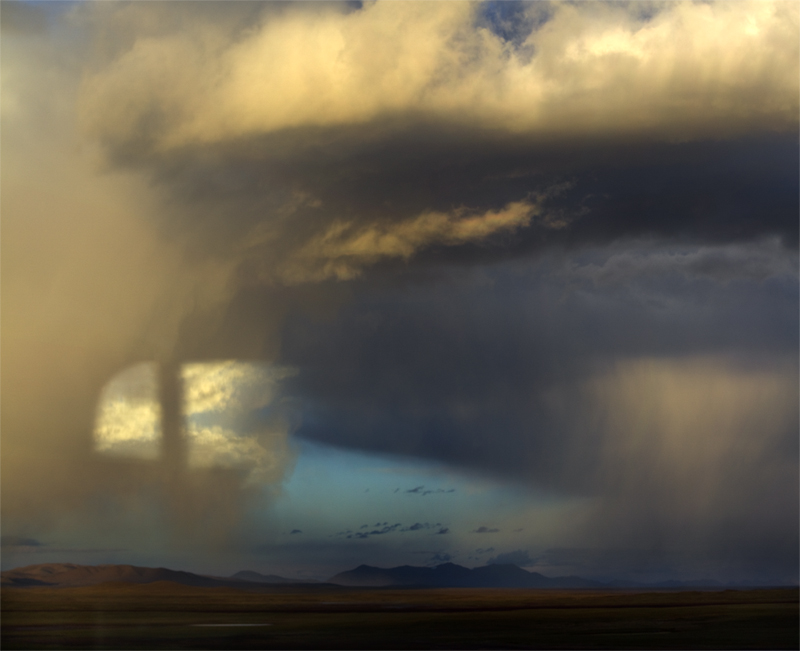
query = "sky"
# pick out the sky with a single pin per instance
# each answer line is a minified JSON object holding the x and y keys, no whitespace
{"x":292,"y":287}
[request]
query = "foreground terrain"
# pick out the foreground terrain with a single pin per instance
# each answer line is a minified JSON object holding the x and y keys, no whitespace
{"x":166,"y":615}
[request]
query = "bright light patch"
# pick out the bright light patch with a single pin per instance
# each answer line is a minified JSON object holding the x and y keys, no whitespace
{"x":233,"y":417}
{"x":128,"y":416}
{"x":229,"y":386}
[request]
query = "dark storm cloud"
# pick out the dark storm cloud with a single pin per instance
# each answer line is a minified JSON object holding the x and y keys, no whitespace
{"x":588,"y":193}
{"x":466,"y":369}
{"x":269,"y":205}
{"x":544,"y":229}
{"x":528,"y":370}
{"x":298,"y":200}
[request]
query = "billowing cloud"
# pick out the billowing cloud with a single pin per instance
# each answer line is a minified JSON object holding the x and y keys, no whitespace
{"x":684,"y":70}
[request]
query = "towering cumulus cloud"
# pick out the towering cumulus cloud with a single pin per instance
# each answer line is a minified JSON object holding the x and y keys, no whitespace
{"x":548,"y":242}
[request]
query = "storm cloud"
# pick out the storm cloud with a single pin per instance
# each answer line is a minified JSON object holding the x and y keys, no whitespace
{"x":551,"y":243}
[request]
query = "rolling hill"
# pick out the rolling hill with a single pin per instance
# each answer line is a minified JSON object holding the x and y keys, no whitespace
{"x":62,"y":575}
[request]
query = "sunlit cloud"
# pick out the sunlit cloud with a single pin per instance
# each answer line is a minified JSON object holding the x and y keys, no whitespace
{"x":343,"y":250}
{"x":687,"y":70}
{"x":229,"y":387}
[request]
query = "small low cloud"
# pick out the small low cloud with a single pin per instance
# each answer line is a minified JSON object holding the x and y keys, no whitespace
{"x":519,"y":557}
{"x":441,"y":557}
{"x":380,"y":528}
{"x":420,"y":490}
{"x":485,"y":530}
{"x":375,"y":532}
{"x":442,"y":531}
{"x":488,"y":550}
{"x":294,"y":531}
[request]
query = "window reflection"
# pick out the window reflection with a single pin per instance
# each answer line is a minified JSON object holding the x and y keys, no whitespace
{"x":232,"y":414}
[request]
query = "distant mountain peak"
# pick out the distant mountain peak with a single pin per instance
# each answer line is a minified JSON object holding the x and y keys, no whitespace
{"x":451,"y":575}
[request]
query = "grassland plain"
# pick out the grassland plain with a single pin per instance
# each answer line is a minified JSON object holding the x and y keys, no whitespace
{"x":168,"y":616}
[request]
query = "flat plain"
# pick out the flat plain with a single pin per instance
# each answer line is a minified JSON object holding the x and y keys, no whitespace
{"x":165,"y":615}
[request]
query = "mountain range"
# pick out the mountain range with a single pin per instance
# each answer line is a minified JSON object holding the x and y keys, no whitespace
{"x":446,"y":575}
{"x":450,"y":575}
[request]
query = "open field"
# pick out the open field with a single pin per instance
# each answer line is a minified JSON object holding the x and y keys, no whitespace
{"x":168,"y":616}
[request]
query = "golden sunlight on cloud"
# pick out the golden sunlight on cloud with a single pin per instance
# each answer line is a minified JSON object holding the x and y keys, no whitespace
{"x":229,"y":386}
{"x":343,"y":250}
{"x":692,"y":70}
